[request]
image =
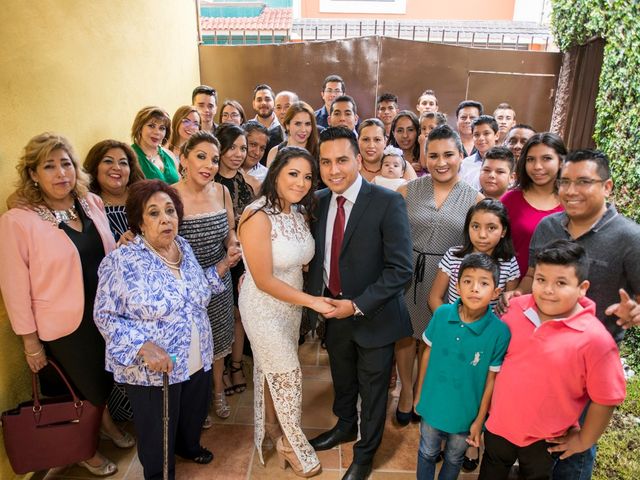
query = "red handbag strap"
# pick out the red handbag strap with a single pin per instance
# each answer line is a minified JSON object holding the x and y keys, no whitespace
{"x":34,"y":386}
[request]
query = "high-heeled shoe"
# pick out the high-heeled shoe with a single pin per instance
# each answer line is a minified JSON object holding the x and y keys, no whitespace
{"x":125,"y":441}
{"x":236,"y":367}
{"x":287,"y":455}
{"x":222,"y":408}
{"x":106,"y":468}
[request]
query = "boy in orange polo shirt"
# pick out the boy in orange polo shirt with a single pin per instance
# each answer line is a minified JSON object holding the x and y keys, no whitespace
{"x":561,"y":357}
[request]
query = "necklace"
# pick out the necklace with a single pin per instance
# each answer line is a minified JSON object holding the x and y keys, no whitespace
{"x":65,"y":216}
{"x":56,"y":217}
{"x":113,"y":201}
{"x":364,"y":165}
{"x":172,"y":265}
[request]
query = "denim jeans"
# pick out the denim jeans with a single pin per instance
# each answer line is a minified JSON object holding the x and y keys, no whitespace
{"x":430,"y":447}
{"x":578,"y":466}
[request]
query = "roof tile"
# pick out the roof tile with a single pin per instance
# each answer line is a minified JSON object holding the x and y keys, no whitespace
{"x":269,"y":19}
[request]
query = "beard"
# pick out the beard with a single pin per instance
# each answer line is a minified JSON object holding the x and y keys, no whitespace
{"x":264,"y":116}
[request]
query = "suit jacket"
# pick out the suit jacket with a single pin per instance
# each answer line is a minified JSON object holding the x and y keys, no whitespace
{"x":41,"y":274}
{"x":375,"y":263}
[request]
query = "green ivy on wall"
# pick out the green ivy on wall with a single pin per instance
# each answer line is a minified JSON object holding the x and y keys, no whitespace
{"x":617,"y":129}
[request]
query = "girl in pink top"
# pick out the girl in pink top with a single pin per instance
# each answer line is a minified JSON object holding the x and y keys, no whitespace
{"x":536,"y":193}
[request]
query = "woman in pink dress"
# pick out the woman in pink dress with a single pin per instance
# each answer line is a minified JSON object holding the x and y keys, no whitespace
{"x":536,"y":193}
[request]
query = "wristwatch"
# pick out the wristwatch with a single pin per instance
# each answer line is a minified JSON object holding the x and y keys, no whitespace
{"x":356,"y":311}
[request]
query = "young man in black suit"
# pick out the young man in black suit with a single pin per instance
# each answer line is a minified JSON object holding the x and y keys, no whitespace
{"x":362,"y":262}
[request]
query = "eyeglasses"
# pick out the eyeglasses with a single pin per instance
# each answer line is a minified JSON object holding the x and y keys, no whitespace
{"x":580,"y":183}
{"x":190,"y":123}
{"x":231,"y":115}
{"x":337,"y":91}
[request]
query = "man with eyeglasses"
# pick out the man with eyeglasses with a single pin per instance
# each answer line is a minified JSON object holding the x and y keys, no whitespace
{"x":205,"y":100}
{"x":332,"y":87}
{"x":263,"y":104}
{"x":612,"y":243}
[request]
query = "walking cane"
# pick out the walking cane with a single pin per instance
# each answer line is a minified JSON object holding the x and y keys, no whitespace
{"x":165,"y":423}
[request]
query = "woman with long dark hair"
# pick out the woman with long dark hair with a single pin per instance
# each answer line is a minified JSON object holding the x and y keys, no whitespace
{"x":233,"y":153}
{"x":277,"y":243}
{"x":405,"y":129}
{"x":536,"y":193}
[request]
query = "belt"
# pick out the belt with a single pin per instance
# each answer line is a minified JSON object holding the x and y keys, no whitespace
{"x":418,"y":271}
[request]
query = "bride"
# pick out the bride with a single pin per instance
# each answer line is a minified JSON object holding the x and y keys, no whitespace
{"x":277,"y":244}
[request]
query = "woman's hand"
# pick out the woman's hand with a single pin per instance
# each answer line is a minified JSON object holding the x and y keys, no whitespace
{"x":234,"y":254}
{"x":34,"y":352}
{"x":37,"y":359}
{"x":126,"y":238}
{"x":322,"y":305}
{"x":155,"y":358}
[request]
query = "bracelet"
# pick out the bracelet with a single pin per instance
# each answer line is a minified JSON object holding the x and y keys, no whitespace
{"x":35,"y":354}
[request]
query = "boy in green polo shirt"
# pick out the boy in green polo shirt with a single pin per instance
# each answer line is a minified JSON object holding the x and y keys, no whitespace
{"x":466,"y":343}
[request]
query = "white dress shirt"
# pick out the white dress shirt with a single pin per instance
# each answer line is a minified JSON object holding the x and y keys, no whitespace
{"x":470,"y":170}
{"x":350,"y":194}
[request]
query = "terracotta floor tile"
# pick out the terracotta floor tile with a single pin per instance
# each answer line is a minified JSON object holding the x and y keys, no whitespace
{"x":317,"y":401}
{"x":244,"y":416}
{"x":271,"y":470}
{"x":232,"y":446}
{"x":308,"y":353}
{"x":323,"y":360}
{"x":316,"y":373}
{"x":231,"y":440}
{"x":393,"y":476}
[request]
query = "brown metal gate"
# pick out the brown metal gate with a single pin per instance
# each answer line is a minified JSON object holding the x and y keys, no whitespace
{"x":373,"y":65}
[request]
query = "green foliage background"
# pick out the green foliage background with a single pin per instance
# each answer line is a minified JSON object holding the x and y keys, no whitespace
{"x":617,"y":129}
{"x":617,"y":133}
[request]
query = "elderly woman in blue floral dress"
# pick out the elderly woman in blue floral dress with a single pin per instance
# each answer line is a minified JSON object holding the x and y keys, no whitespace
{"x":151,"y":308}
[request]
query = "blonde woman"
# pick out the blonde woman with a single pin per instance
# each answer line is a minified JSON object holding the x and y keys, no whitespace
{"x":53,"y":238}
{"x":185,"y":122}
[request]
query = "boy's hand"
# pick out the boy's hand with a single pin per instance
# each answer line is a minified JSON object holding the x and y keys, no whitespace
{"x":627,"y":309}
{"x":474,"y":434}
{"x":503,"y":301}
{"x":569,"y":443}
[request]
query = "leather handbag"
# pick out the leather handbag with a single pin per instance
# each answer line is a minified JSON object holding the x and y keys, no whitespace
{"x":51,"y":432}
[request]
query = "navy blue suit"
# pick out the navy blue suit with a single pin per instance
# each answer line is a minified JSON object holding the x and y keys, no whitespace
{"x":375,"y":266}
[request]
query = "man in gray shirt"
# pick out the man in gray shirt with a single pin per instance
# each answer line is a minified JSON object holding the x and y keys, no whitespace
{"x":612,"y":243}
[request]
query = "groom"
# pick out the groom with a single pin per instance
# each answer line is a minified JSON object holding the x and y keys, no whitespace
{"x":363,"y":262}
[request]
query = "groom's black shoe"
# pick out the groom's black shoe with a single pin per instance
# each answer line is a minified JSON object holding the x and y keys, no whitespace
{"x":333,"y":437}
{"x":358,"y":472}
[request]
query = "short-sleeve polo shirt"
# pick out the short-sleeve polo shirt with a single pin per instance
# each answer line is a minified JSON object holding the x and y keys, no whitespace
{"x":550,"y":372}
{"x":461,"y":356}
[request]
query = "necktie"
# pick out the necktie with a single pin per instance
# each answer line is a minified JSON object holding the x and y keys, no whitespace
{"x":336,"y":246}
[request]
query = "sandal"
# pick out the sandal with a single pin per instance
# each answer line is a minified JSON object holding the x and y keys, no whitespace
{"x":106,"y":468}
{"x":208,"y":423}
{"x":226,"y":380}
{"x":236,"y":387}
{"x":203,"y":456}
{"x":221,"y":406}
{"x":125,"y":441}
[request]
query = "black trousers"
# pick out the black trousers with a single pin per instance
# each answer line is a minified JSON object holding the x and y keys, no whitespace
{"x":536,"y":463}
{"x":359,"y":370}
{"x":188,"y":405}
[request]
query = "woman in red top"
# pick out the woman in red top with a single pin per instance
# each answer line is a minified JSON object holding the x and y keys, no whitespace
{"x":536,"y":193}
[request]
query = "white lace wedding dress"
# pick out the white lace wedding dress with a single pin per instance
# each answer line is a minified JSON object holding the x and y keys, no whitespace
{"x":273,"y":328}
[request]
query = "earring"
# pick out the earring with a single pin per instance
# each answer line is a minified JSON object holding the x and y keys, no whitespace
{"x":36,"y":184}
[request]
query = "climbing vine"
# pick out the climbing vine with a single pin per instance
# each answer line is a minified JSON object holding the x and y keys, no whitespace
{"x":617,"y":129}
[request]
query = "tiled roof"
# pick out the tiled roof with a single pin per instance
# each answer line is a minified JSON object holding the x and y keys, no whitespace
{"x":269,"y":19}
